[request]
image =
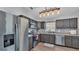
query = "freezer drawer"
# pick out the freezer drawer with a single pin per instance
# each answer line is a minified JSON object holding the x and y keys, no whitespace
{"x":60,"y":40}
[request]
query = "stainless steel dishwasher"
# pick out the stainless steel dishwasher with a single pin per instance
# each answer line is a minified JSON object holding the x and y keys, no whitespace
{"x":60,"y":40}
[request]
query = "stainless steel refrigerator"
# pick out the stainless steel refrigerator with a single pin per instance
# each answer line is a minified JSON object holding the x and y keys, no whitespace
{"x":22,"y":28}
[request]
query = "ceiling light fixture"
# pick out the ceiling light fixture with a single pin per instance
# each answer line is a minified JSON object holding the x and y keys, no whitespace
{"x":48,"y":11}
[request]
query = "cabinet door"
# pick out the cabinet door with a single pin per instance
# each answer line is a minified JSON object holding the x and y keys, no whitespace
{"x":59,"y":24}
{"x":66,"y":23}
{"x":75,"y":42}
{"x":73,"y":23}
{"x":52,"y":39}
{"x":42,"y":25}
{"x":47,"y":38}
{"x":42,"y":37}
{"x":68,"y":41}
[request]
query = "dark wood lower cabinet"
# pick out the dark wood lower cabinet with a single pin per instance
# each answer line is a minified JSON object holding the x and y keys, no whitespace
{"x":68,"y":41}
{"x":47,"y":38}
{"x":52,"y":39}
{"x":72,"y":41}
{"x":75,"y":42}
{"x":42,"y":38}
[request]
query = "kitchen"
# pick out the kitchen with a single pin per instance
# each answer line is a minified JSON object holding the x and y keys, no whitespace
{"x":65,"y":35}
{"x":50,"y":31}
{"x":61,"y":32}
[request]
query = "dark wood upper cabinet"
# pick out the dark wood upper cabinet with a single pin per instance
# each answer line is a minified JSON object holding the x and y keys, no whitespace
{"x":73,"y":23}
{"x":59,"y":24}
{"x":66,"y":23}
{"x":42,"y":25}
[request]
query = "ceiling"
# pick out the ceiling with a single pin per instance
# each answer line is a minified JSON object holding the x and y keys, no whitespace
{"x":66,"y":12}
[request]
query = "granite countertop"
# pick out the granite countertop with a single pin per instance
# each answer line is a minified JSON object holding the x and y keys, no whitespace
{"x":60,"y":34}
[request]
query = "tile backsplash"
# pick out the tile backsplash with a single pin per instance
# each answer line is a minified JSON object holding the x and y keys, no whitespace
{"x":67,"y":31}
